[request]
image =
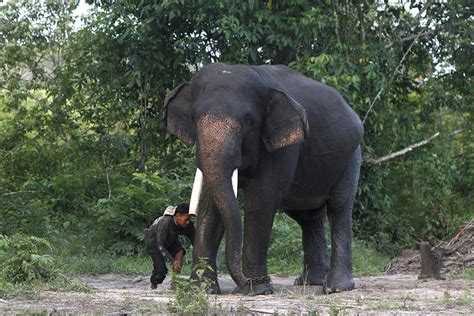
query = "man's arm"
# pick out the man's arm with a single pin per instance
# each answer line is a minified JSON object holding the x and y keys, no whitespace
{"x":161,"y":234}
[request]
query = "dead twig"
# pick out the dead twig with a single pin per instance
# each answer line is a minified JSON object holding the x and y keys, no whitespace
{"x":390,"y":156}
{"x":18,"y":192}
{"x":107,"y":176}
{"x":418,"y":17}
{"x":425,"y":33}
{"x":401,"y":152}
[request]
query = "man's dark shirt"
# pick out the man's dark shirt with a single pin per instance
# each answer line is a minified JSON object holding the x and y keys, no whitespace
{"x":162,"y":236}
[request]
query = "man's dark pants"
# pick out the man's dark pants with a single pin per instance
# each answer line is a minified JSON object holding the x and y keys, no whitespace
{"x":159,"y":264}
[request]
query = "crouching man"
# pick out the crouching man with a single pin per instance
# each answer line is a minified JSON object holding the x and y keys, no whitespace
{"x":162,"y":242}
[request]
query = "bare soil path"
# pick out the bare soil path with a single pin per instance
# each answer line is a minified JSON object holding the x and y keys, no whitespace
{"x":388,"y":294}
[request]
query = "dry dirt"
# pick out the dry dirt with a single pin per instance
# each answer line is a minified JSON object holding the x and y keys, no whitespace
{"x":387,"y":294}
{"x":398,"y":292}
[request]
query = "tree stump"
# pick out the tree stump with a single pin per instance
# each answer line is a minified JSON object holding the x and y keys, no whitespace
{"x":431,"y":261}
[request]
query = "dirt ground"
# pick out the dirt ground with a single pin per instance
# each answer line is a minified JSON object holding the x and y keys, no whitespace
{"x":399,"y":291}
{"x":388,"y":294}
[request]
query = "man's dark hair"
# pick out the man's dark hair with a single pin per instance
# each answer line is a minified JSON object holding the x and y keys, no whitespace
{"x":182,"y":209}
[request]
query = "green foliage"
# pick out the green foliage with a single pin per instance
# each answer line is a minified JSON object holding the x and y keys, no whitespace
{"x":83,"y":146}
{"x":286,"y":253}
{"x":25,"y":259}
{"x":133,"y":207}
{"x":190,"y":298}
{"x":28,"y":267}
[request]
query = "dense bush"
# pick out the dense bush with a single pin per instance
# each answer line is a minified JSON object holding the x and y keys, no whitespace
{"x":124,"y":216}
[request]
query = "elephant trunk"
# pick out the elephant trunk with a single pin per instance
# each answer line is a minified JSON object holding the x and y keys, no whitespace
{"x":218,"y":155}
{"x":226,"y":202}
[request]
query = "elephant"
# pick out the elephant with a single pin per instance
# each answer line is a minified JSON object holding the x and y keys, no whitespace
{"x":294,"y":145}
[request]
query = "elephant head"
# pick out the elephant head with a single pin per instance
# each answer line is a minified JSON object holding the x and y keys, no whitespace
{"x":231,"y":113}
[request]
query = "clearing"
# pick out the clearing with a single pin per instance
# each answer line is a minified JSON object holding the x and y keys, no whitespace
{"x":398,"y":292}
{"x":128,"y":294}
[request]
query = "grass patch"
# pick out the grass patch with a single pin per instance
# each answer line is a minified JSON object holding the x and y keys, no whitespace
{"x":34,"y":288}
{"x":286,"y":251}
{"x":66,"y":284}
{"x":9,"y":290}
{"x":108,"y":263}
{"x":467,"y":274}
{"x":366,"y":260}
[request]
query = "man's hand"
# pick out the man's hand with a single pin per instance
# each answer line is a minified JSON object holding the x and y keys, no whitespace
{"x":178,"y":261}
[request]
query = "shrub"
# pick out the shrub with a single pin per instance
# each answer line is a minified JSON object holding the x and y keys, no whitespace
{"x":191,"y":298}
{"x":24,"y":259}
{"x":126,"y":215}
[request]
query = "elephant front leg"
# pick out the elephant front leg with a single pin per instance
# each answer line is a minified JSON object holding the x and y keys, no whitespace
{"x":340,"y":205}
{"x":315,"y":265}
{"x":207,"y":238}
{"x":258,"y":220}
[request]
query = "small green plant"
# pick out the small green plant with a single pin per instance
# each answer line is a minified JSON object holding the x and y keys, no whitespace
{"x":446,"y":296}
{"x":313,"y":312}
{"x":66,"y":284}
{"x":333,"y":310}
{"x":25,"y":259}
{"x":242,"y":308}
{"x":466,"y":298}
{"x":359,"y":300}
{"x":468,"y":274}
{"x":190,"y":297}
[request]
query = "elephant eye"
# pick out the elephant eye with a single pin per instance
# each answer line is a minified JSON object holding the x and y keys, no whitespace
{"x":249,"y":120}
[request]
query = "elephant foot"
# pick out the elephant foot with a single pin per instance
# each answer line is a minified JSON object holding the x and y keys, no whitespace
{"x":212,"y":286}
{"x":339,"y":285}
{"x":308,"y":280}
{"x":256,"y":286}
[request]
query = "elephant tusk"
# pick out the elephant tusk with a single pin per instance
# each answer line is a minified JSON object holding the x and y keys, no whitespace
{"x":235,"y":182}
{"x":196,"y":194}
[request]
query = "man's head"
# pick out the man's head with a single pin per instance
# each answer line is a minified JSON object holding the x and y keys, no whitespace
{"x":181,"y":215}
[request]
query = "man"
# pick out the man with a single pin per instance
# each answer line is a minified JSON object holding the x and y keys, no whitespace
{"x":162,"y":242}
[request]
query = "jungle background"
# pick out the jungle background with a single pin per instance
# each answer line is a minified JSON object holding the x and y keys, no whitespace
{"x":86,"y":164}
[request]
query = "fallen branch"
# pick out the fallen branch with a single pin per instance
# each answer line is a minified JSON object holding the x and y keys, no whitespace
{"x":402,"y":152}
{"x":18,"y":192}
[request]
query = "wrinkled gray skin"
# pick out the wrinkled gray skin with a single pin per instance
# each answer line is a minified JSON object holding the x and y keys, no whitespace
{"x":296,"y":143}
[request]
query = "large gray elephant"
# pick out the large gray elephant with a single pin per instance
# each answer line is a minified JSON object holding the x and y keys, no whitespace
{"x":295,"y":145}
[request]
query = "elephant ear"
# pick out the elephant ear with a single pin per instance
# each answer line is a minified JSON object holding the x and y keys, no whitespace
{"x":178,"y":114}
{"x":285,"y":123}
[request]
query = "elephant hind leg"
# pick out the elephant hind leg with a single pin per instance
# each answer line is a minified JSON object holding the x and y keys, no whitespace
{"x":315,"y":263}
{"x":340,"y":204}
